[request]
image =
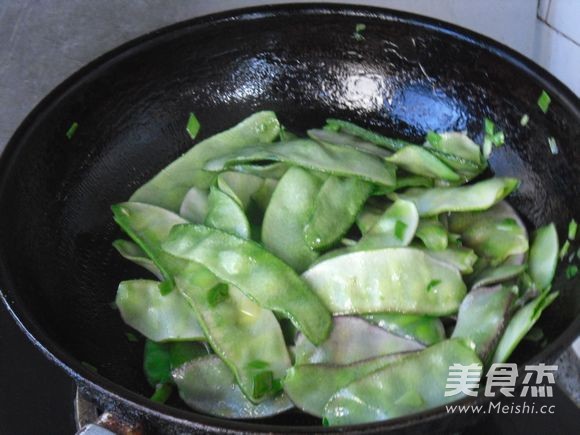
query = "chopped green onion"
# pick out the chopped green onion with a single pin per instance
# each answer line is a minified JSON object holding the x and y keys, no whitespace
{"x":564,"y":249}
{"x":165,"y":287}
{"x":498,"y":138}
{"x":553,"y":145}
{"x":325,"y":422}
{"x":434,"y":138}
{"x":544,"y":101}
{"x":571,"y":271}
{"x":434,"y":283}
{"x":193,"y":126}
{"x":572,"y":229}
{"x":524,"y":120}
{"x":162,"y":393}
{"x":131,"y":337}
{"x":217,"y":294}
{"x":72,"y":130}
{"x":262,"y":384}
{"x":358,"y":29}
{"x":331,"y":127}
{"x":258,"y":364}
{"x":400,"y":228}
{"x":489,"y":126}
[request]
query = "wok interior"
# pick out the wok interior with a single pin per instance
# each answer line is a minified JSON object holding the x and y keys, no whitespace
{"x":403,"y":79}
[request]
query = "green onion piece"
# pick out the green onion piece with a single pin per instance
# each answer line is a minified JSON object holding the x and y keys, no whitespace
{"x":262,"y":384}
{"x":72,"y":130}
{"x":193,"y":126}
{"x":258,"y":364}
{"x":564,"y":249}
{"x":489,"y":126}
{"x":360,"y":27}
{"x":571,"y":271}
{"x":131,"y":337}
{"x":553,"y":146}
{"x":400,"y":228}
{"x":498,"y":138}
{"x":218,"y":294}
{"x":165,"y":287}
{"x":434,"y":138}
{"x":524,"y":120}
{"x":572,"y":229}
{"x":544,"y":101}
{"x":434,"y":283}
{"x":162,"y":393}
{"x":325,"y":422}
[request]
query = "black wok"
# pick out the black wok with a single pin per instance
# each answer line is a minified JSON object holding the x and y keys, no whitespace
{"x":58,"y":271}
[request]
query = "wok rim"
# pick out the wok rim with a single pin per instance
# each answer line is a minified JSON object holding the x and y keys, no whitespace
{"x":58,"y":355}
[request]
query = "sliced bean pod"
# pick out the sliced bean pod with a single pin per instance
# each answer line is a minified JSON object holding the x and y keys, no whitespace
{"x":331,"y":159}
{"x":336,"y":207}
{"x":368,"y":217}
{"x":207,"y":385}
{"x":477,"y":196}
{"x":156,"y":316}
{"x":288,"y":212}
{"x":132,"y":252}
{"x":395,"y":227}
{"x":483,"y":316}
{"x":226,"y":214}
{"x":335,"y":138}
{"x":273,"y":171}
{"x":382,"y":281}
{"x":367,"y":135}
{"x":194,"y":205}
{"x":423,"y":329}
{"x":310,"y":386}
{"x":433,"y":234}
{"x":259,"y":274}
{"x":411,"y":384}
{"x":168,"y":188}
{"x":418,"y":160}
{"x":544,"y":256}
{"x":497,"y":274}
{"x":460,"y":258}
{"x":264,"y":194}
{"x":520,"y":325}
{"x":239,"y":186}
{"x":352,"y":339}
{"x":458,"y":144}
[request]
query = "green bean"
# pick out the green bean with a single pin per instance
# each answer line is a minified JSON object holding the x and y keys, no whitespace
{"x":334,"y":138}
{"x":156,"y":316}
{"x":419,"y":160}
{"x":497,"y":274}
{"x":351,"y":339}
{"x":411,"y":384}
{"x":520,"y":325}
{"x":264,"y":194}
{"x":483,"y":316}
{"x":239,"y":186}
{"x":226,"y":214}
{"x":310,"y":386}
{"x":168,"y":188}
{"x":368,"y":217}
{"x":259,"y":274}
{"x":460,"y":145}
{"x":287,"y":214}
{"x":466,"y":168}
{"x":207,"y":385}
{"x":273,"y":171}
{"x":460,"y":258}
{"x":367,"y":135}
{"x":544,"y":256}
{"x":433,"y":234}
{"x":336,"y":207}
{"x":477,"y":196}
{"x":382,"y":281}
{"x":423,"y":329}
{"x":326,"y":158}
{"x":395,"y":227}
{"x":132,"y":252}
{"x":194,"y":205}
{"x":459,"y":223}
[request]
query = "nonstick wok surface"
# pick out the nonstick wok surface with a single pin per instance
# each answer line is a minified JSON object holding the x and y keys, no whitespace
{"x":58,"y":270}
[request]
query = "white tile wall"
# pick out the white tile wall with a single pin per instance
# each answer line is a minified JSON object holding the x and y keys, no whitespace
{"x":564,"y":16}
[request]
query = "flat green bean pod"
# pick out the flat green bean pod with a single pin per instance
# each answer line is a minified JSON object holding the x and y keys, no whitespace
{"x":382,"y":281}
{"x":478,"y":196}
{"x":419,"y":160}
{"x":395,"y":227}
{"x":433,"y":234}
{"x":331,"y":159}
{"x":194,"y":205}
{"x":289,"y":210}
{"x":207,"y":385}
{"x":422,"y":329}
{"x":544,"y":256}
{"x":225,"y":213}
{"x":156,"y":316}
{"x":367,"y":135}
{"x":497,"y":274}
{"x":310,"y":386}
{"x":411,"y":384}
{"x":239,"y":186}
{"x":132,"y":252}
{"x":483,"y":316}
{"x":335,"y":138}
{"x":168,"y":188}
{"x":351,"y":339}
{"x":463,"y":259}
{"x":458,"y":144}
{"x":336,"y":207}
{"x":257,"y":273}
